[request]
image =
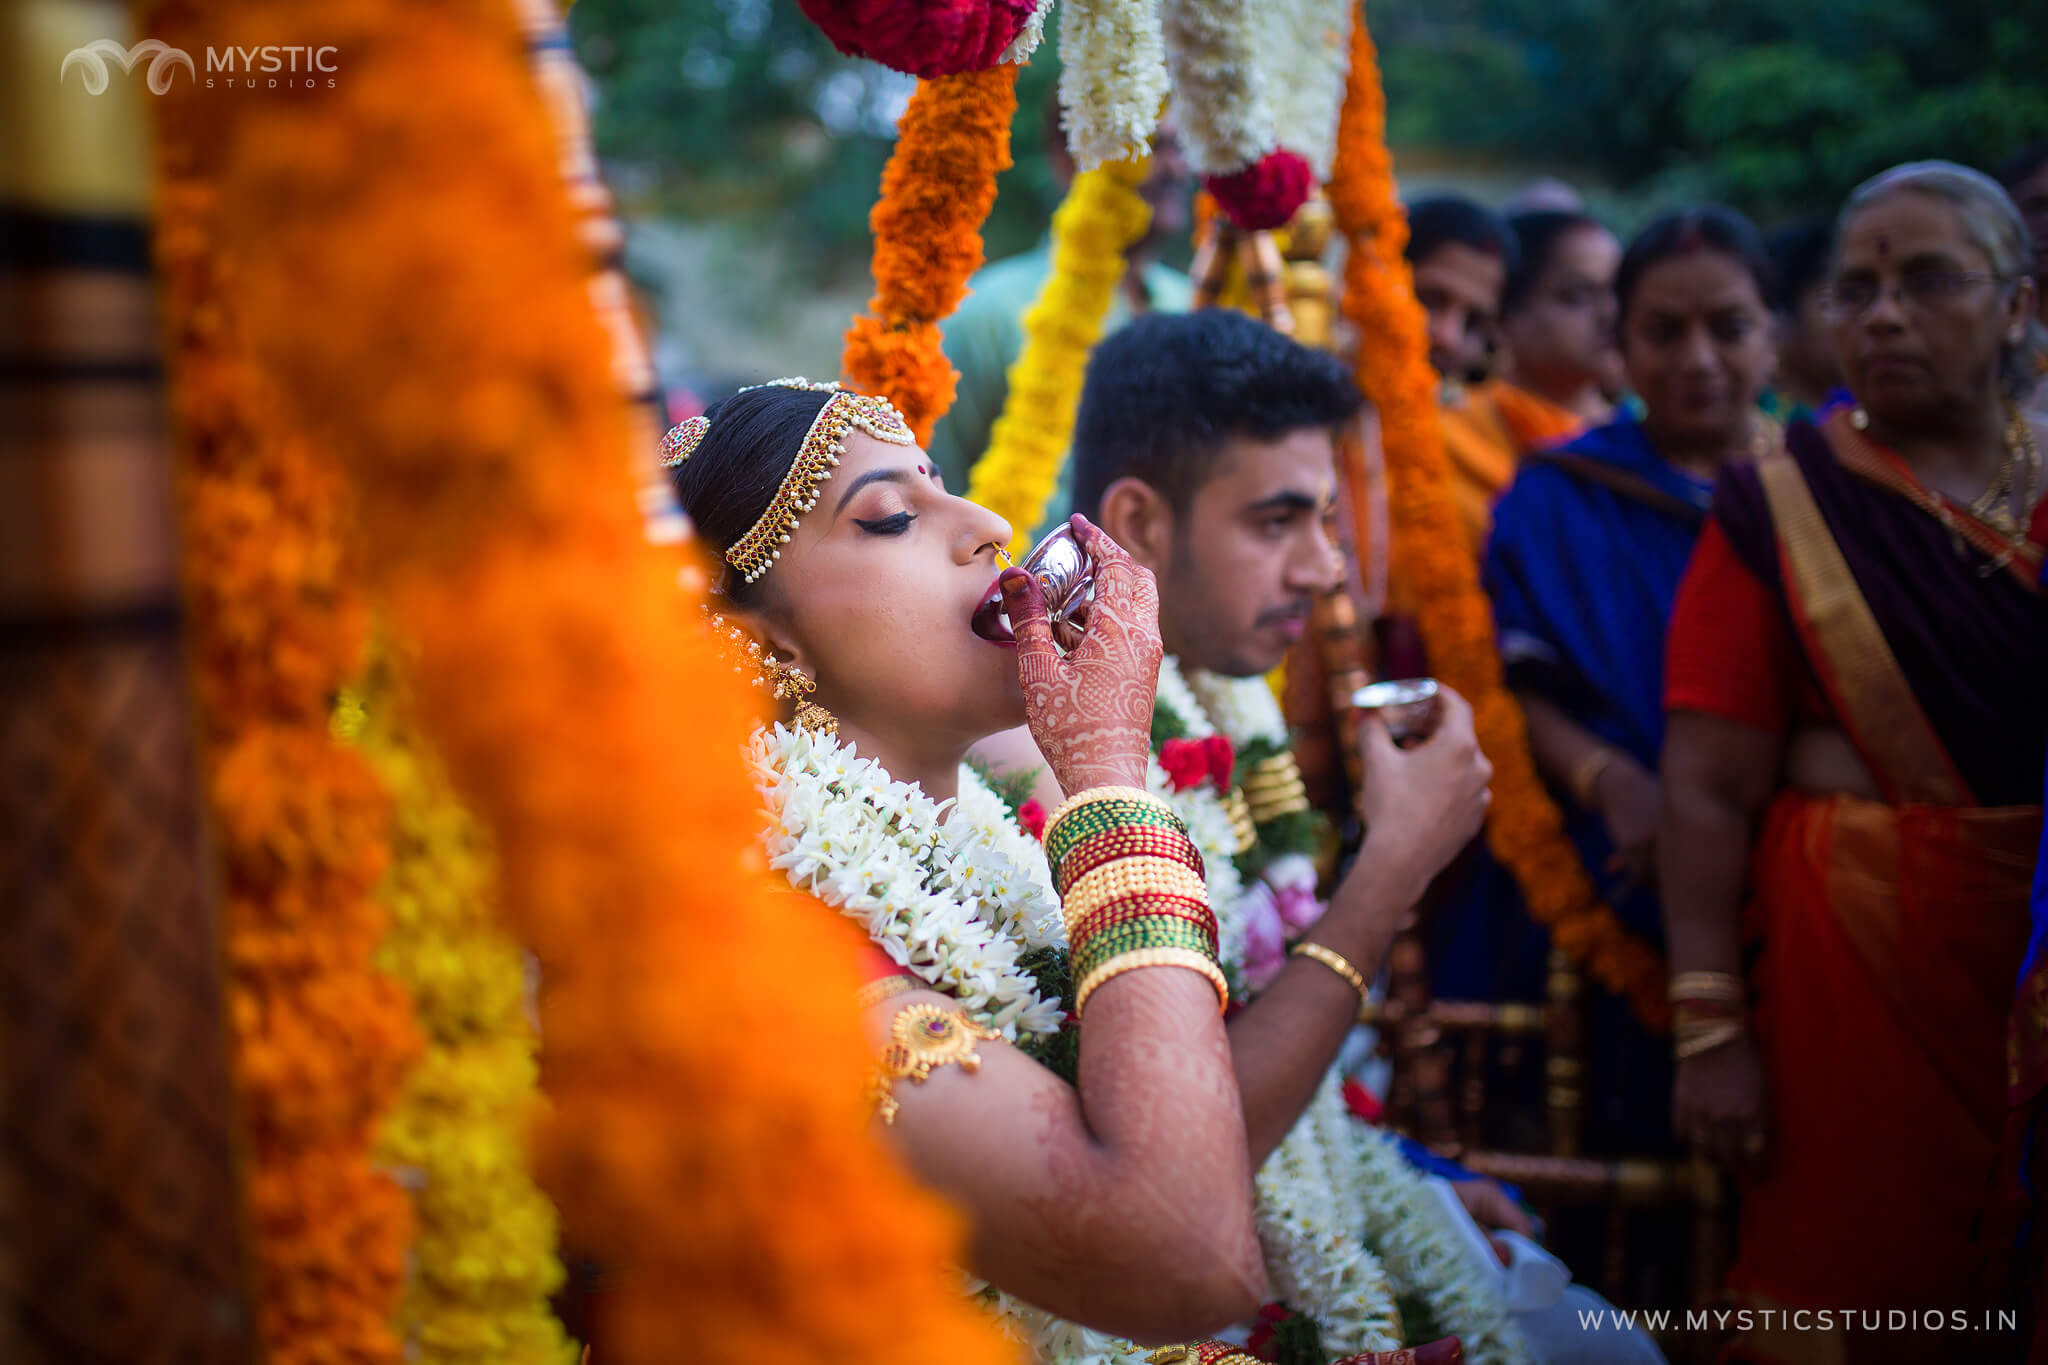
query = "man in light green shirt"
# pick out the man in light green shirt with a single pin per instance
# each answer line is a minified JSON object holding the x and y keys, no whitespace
{"x":986,"y":333}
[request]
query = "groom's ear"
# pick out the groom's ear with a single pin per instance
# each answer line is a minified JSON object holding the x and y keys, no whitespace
{"x":1138,"y":517}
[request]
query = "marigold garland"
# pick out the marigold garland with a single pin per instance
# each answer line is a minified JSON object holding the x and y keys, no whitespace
{"x":953,"y":139}
{"x":322,"y":1039}
{"x":1102,"y":215}
{"x":484,"y":1262}
{"x":422,"y":297}
{"x":1524,"y":828}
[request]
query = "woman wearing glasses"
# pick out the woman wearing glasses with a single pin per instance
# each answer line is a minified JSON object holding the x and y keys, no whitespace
{"x":1858,"y":719}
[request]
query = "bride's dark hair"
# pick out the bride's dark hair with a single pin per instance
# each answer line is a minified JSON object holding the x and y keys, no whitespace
{"x":729,"y":480}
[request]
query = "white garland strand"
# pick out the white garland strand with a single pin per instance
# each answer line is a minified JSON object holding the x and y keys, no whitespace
{"x":1113,"y":82}
{"x":1405,"y":1226}
{"x":1028,"y":37}
{"x":1304,"y":56}
{"x":1219,"y":96}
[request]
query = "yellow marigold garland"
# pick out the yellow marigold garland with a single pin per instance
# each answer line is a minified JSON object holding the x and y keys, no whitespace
{"x":1524,"y":828}
{"x":278,"y":624}
{"x":1102,"y":215}
{"x":422,"y":297}
{"x":953,"y":139}
{"x":484,"y":1261}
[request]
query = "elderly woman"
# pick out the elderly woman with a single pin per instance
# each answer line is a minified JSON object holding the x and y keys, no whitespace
{"x":1857,"y":717}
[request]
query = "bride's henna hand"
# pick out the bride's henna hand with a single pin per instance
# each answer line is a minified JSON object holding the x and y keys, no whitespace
{"x":1091,"y":712}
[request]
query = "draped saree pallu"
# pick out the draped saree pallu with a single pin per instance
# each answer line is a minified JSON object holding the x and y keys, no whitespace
{"x":1890,"y":932}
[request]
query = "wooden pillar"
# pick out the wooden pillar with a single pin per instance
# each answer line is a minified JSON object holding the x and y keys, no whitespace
{"x":119,"y":1210}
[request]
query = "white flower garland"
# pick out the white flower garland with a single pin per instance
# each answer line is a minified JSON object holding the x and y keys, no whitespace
{"x":1404,"y":1224}
{"x":1219,"y":92}
{"x":882,"y":853}
{"x":1304,"y":55}
{"x":1028,"y":37}
{"x":1113,"y":82}
{"x":1244,"y":709}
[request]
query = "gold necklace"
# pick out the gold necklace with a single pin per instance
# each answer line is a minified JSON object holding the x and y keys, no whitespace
{"x":1994,"y":506}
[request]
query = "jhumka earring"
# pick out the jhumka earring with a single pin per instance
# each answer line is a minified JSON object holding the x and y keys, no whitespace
{"x":786,"y":681}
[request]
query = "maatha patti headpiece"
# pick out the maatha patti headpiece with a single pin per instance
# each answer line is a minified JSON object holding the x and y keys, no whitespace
{"x":754,"y":553}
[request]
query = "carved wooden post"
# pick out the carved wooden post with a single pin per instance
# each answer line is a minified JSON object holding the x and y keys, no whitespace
{"x":120,"y":1215}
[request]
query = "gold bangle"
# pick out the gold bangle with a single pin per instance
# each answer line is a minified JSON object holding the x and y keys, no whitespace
{"x":1588,"y":772}
{"x":882,"y":987}
{"x":1725,"y":987}
{"x":923,"y":1038}
{"x":1708,"y":1039}
{"x":1155,"y":957}
{"x":1335,"y":961}
{"x":1130,"y":877}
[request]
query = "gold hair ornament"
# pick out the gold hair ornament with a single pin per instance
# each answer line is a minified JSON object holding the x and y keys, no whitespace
{"x":824,"y":445}
{"x":681,"y":441}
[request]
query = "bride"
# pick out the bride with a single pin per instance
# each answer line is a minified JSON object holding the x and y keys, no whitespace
{"x":1099,"y":1146}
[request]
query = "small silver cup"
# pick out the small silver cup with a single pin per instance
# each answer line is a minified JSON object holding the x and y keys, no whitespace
{"x":1407,"y":705}
{"x":1066,"y":575}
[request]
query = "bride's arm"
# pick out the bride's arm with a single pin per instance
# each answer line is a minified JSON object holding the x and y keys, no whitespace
{"x":1124,"y":1204}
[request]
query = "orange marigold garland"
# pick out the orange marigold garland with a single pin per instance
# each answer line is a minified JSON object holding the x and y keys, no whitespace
{"x":937,"y":189}
{"x":278,"y":624}
{"x":422,"y":296}
{"x":1524,"y":828}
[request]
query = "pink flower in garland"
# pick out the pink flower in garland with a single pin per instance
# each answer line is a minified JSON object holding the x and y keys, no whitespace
{"x":925,"y":38}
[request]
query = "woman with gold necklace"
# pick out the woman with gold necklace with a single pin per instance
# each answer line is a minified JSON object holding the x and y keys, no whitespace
{"x":1047,"y":1018}
{"x":1859,"y":719}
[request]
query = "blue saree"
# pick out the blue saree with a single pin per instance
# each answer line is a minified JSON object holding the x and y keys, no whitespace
{"x":1588,"y":548}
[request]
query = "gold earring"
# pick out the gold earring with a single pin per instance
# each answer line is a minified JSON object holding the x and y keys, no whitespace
{"x":792,"y":684}
{"x":785,"y":681}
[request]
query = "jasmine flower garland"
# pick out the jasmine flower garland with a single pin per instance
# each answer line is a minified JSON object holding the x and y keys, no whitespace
{"x":1219,"y":92}
{"x":1113,"y":82}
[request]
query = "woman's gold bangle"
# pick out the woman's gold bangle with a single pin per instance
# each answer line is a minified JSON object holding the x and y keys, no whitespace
{"x":883,"y":987}
{"x":1588,"y":772}
{"x":1335,"y":961}
{"x":1154,"y":957}
{"x":1724,"y":987}
{"x":1130,"y":877}
{"x":1707,"y":1039}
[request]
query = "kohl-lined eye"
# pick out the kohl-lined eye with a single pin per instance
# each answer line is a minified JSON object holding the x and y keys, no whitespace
{"x":886,"y":526}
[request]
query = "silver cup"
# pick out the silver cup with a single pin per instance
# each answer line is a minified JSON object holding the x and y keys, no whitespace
{"x":1407,"y":705}
{"x":1066,"y":575}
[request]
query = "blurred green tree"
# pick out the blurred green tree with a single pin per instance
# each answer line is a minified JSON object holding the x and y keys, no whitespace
{"x":741,"y":110}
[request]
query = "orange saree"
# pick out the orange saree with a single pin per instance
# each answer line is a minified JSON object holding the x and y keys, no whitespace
{"x":1887,"y":934}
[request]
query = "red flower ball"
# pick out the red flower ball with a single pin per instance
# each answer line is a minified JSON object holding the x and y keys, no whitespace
{"x":1222,"y":761}
{"x":1031,"y":815}
{"x":926,"y":38}
{"x":1265,"y":194}
{"x":1186,"y":763}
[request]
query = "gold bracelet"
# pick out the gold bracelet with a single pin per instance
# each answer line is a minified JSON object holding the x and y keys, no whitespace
{"x":1155,"y":957}
{"x":1130,"y":877}
{"x":1335,"y":961}
{"x":1588,"y":772}
{"x":1708,"y":1039}
{"x":923,"y":1038}
{"x":882,"y":987}
{"x":1725,"y":987}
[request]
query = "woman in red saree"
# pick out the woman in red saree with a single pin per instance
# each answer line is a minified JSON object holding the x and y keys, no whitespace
{"x":1858,"y":719}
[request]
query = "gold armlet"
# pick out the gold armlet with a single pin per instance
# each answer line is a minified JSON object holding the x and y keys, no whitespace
{"x":923,"y":1038}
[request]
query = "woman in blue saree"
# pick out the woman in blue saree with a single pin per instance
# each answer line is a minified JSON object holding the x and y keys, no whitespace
{"x":1588,"y":548}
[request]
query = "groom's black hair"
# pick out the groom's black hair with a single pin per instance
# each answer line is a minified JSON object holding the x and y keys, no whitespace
{"x":1164,"y":393}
